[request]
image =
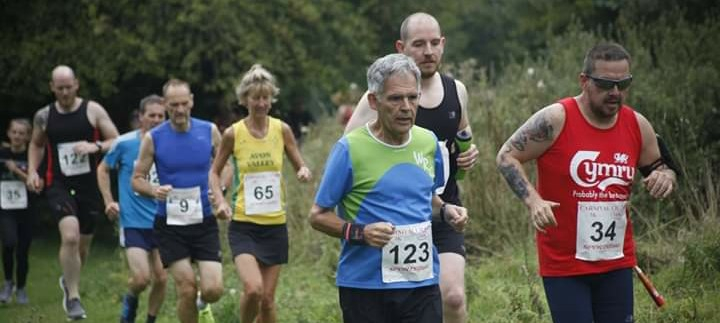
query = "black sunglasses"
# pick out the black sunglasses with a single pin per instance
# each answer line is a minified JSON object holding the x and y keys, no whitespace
{"x":606,"y":84}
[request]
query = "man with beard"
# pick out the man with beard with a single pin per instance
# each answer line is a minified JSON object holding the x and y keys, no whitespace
{"x":587,"y":149}
{"x":443,"y":110}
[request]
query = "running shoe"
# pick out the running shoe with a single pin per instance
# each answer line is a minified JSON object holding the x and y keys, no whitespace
{"x":205,"y":314}
{"x":21,"y":296}
{"x":6,"y":292}
{"x":74,"y":310}
{"x":129,"y":309}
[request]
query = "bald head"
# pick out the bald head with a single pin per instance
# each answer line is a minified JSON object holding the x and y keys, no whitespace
{"x":417,"y":19}
{"x":62,"y":72}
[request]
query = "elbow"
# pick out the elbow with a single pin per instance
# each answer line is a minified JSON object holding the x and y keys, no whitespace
{"x":315,"y":217}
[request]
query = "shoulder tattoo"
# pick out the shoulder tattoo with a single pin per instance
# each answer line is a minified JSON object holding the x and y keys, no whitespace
{"x":41,"y":118}
{"x":538,"y":129}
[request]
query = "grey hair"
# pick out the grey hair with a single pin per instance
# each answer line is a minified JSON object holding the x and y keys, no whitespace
{"x":257,"y":78}
{"x":388,"y":65}
{"x":609,"y":52}
{"x":150,"y":99}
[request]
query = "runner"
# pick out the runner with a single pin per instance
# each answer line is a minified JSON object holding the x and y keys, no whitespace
{"x":587,"y":149}
{"x":184,"y":228}
{"x":258,"y":234}
{"x":16,"y":212}
{"x":70,"y":130}
{"x":136,"y":214}
{"x":443,"y":109}
{"x":382,"y":178}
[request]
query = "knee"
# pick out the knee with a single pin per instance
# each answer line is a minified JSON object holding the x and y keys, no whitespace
{"x":71,"y":239}
{"x":140,"y":281}
{"x":268,"y":303}
{"x":160,"y":279}
{"x":212,"y":294}
{"x":253,"y":291}
{"x":186,"y":290}
{"x":454,"y":300}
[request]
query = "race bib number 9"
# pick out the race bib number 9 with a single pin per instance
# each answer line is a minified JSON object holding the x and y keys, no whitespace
{"x":262,"y":193}
{"x":600,"y":230}
{"x":408,"y":257}
{"x":14,"y":195}
{"x":72,"y":163}
{"x":184,"y":206}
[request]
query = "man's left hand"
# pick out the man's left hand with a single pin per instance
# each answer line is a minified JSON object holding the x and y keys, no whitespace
{"x":468,"y":158}
{"x":661,"y":182}
{"x":456,"y":217}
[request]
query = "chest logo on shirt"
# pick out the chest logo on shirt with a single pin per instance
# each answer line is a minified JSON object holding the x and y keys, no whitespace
{"x":422,"y":161}
{"x":587,"y":172}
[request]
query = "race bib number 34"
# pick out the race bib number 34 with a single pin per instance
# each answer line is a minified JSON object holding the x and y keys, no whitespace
{"x":14,"y":195}
{"x":72,"y":163}
{"x":184,"y":206}
{"x":600,"y":230}
{"x":262,"y":193}
{"x":408,"y":257}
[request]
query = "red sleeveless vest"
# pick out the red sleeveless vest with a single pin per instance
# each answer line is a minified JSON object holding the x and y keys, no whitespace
{"x":589,"y":171}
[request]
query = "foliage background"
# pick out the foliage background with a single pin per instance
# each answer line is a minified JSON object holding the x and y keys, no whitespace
{"x":514,"y":56}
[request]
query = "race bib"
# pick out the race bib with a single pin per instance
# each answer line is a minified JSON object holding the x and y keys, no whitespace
{"x":262,"y":193}
{"x":184,"y":206}
{"x":71,"y":163}
{"x":408,"y":257}
{"x":600,"y":230}
{"x":14,"y":195}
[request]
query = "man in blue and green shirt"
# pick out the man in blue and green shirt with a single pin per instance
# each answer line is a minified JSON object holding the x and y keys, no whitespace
{"x":382,"y":179}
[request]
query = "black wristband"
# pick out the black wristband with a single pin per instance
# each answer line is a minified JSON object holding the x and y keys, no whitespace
{"x":99,"y":145}
{"x":442,"y":212}
{"x":353,"y":233}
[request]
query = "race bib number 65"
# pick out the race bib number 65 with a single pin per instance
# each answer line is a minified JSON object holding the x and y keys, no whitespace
{"x":262,"y":193}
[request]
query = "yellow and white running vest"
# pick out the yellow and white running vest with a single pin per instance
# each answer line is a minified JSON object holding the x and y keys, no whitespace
{"x":258,"y":191}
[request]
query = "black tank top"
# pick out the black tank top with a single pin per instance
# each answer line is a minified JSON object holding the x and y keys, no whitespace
{"x":444,"y":121}
{"x":67,"y":128}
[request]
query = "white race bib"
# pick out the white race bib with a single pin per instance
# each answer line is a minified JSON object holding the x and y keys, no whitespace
{"x":184,"y":206}
{"x":71,"y":163}
{"x":262,"y":193}
{"x":14,"y":195}
{"x":409,"y":254}
{"x":600,"y":230}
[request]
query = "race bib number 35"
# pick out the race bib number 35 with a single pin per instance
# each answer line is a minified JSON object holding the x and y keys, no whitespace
{"x":72,"y":163}
{"x":184,"y":206}
{"x":14,"y":195}
{"x":408,"y":257}
{"x":600,"y":230}
{"x":262,"y":193}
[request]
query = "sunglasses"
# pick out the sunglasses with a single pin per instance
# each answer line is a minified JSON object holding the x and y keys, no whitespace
{"x":606,"y":84}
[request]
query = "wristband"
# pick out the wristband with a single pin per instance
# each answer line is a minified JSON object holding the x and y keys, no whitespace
{"x":442,"y":212}
{"x":99,"y":145}
{"x":353,"y":233}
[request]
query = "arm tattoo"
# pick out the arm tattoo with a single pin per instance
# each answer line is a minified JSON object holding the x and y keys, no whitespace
{"x":539,"y":129}
{"x":515,"y":180}
{"x":41,"y":117}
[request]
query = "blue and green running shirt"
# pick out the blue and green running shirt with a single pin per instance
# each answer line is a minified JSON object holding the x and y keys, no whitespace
{"x":370,"y":181}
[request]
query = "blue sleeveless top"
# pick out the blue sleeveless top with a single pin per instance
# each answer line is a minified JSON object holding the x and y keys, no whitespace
{"x":183,"y":159}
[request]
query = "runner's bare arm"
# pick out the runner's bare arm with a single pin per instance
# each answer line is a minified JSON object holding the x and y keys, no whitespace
{"x":107,"y":128}
{"x":662,"y":180}
{"x":291,"y":150}
{"x":374,"y":234}
{"x":529,"y":142}
{"x":361,"y":115}
{"x":140,"y":184}
{"x":219,"y":164}
{"x":468,"y":158}
{"x":103,"y":179}
{"x":36,"y":148}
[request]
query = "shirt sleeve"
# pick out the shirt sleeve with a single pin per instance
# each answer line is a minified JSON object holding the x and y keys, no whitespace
{"x":439,"y":170}
{"x":337,"y":179}
{"x":113,"y":155}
